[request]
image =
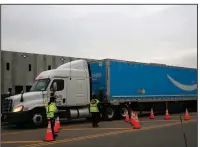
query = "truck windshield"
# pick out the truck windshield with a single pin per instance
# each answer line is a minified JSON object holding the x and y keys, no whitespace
{"x":40,"y":85}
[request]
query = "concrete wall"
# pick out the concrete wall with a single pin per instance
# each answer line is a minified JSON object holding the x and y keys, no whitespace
{"x":6,"y":75}
{"x":19,"y":74}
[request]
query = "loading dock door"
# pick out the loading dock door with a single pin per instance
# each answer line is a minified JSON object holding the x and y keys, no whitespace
{"x":18,"y":89}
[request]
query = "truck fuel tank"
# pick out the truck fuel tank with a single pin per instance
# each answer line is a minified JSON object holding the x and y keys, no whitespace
{"x":79,"y":113}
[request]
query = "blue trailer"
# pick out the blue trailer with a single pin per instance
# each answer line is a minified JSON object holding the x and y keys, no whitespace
{"x":143,"y":85}
{"x":115,"y":83}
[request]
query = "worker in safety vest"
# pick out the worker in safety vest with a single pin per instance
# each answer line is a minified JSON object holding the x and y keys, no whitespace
{"x":51,"y":109}
{"x":94,"y":109}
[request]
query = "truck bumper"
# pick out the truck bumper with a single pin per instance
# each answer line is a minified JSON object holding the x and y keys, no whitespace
{"x":15,"y":117}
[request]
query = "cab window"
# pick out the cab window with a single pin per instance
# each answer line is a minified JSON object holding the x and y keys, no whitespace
{"x":60,"y":84}
{"x":40,"y":85}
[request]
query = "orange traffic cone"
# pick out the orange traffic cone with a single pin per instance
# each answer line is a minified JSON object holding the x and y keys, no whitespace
{"x":186,"y":117}
{"x":132,"y":120}
{"x":58,"y":123}
{"x":137,"y":123}
{"x":126,"y":117}
{"x":49,"y":135}
{"x":152,"y":114}
{"x":167,"y":114}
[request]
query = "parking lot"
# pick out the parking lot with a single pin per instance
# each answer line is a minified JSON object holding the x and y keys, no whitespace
{"x":153,"y":133}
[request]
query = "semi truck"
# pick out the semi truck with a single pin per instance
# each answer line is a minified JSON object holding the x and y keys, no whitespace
{"x":114,"y":82}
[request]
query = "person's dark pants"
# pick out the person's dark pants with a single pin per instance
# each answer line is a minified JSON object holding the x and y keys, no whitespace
{"x":95,"y":119}
{"x":52,"y":121}
{"x":129,"y":113}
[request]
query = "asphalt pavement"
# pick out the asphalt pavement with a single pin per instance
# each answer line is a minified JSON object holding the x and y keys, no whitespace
{"x":153,"y":133}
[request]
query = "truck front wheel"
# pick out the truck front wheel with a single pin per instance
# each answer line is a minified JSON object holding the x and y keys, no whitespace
{"x":38,"y":118}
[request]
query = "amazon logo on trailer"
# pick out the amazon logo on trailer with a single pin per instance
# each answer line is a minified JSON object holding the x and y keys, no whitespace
{"x":182,"y":86}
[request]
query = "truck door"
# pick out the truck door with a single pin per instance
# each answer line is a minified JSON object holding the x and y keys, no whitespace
{"x":61,"y":91}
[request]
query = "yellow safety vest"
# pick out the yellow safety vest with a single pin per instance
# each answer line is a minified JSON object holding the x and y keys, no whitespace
{"x":56,"y":110}
{"x":93,"y":107}
{"x":50,"y":110}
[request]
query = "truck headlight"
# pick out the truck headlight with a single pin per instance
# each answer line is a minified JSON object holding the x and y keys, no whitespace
{"x":18,"y":108}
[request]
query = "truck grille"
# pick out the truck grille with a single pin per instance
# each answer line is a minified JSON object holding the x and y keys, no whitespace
{"x":7,"y":105}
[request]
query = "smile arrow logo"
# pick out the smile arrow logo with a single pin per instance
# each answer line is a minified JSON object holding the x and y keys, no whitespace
{"x":182,"y":86}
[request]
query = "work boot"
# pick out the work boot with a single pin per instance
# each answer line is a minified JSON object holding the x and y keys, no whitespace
{"x":55,"y":135}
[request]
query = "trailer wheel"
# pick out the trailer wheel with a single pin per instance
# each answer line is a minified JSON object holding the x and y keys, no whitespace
{"x":123,"y":112}
{"x":109,"y":113}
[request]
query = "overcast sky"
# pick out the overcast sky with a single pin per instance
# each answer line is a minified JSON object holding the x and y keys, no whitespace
{"x":161,"y":34}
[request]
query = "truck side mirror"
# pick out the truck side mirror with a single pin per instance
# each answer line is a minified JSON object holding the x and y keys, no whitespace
{"x":22,"y":99}
{"x":54,"y":86}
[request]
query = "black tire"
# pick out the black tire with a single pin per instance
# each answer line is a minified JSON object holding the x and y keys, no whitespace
{"x":122,"y":112}
{"x":109,"y":113}
{"x":38,"y":118}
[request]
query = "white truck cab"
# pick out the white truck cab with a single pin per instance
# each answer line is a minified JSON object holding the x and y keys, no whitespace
{"x":72,"y":95}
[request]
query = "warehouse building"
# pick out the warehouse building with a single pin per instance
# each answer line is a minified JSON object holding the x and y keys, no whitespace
{"x":19,"y":70}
